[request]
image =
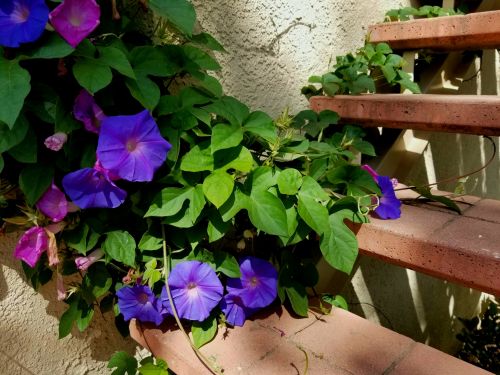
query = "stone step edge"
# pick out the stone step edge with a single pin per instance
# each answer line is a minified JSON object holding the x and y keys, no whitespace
{"x":468,"y":114}
{"x":472,"y":31}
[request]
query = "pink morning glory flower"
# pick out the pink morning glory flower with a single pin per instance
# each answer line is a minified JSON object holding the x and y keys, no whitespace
{"x":87,"y":111}
{"x":93,"y":188}
{"x":61,"y":290}
{"x":31,"y":245}
{"x":22,"y":21}
{"x":56,"y":141}
{"x":132,"y":146}
{"x":53,"y":204}
{"x":139,"y":302}
{"x":195,"y":289}
{"x":389,"y":205}
{"x":83,"y":263}
{"x":75,"y":19}
{"x":258,"y":285}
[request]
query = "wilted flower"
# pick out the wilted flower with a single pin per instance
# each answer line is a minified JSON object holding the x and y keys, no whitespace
{"x":53,"y":203}
{"x":140,"y":303}
{"x":87,"y":111}
{"x":31,"y":245}
{"x":61,"y":290}
{"x":234,"y":309}
{"x":75,"y":19}
{"x":56,"y":141}
{"x":132,"y":146}
{"x":22,"y":21}
{"x":195,"y":289}
{"x":52,"y":250}
{"x":92,"y":188}
{"x":389,"y":205}
{"x":258,"y":285}
{"x":83,"y":263}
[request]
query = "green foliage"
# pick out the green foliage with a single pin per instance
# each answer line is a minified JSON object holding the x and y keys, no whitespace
{"x":204,"y":332}
{"x":123,"y":363}
{"x":361,"y":72}
{"x":426,"y":11}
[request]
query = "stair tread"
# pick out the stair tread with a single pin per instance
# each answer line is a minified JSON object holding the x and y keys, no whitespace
{"x":472,"y":31}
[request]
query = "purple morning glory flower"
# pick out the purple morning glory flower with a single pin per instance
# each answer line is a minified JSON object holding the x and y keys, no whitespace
{"x":389,"y":205}
{"x":258,"y":285}
{"x":93,"y":188}
{"x":132,"y":146}
{"x":87,"y":111}
{"x":31,"y":245}
{"x":140,"y":303}
{"x":53,"y":204}
{"x":234,"y":309}
{"x":75,"y":19}
{"x":195,"y":289}
{"x":22,"y":21}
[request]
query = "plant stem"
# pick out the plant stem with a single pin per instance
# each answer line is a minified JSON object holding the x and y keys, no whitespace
{"x":166,"y":271}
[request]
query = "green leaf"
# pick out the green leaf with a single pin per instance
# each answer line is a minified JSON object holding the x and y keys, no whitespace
{"x":339,"y":245}
{"x":198,"y":159}
{"x":144,"y":91}
{"x":389,"y":72}
{"x":34,"y":180}
{"x":151,"y":61}
{"x":229,"y":108}
{"x":236,"y":202}
{"x":268,"y":213}
{"x":226,"y":136}
{"x":152,"y":369}
{"x":217,"y":228}
{"x":362,"y":84}
{"x":52,"y":46}
{"x":82,"y":238}
{"x":217,"y":187}
{"x":289,"y":181}
{"x":14,"y":87}
{"x":96,"y":282}
{"x":383,"y":48}
{"x":426,"y":192}
{"x":202,"y":59}
{"x":297,"y":295}
{"x":169,"y":201}
{"x":150,"y":240}
{"x":117,"y":60}
{"x":180,"y":13}
{"x":227,"y":264}
{"x":207,"y":41}
{"x":261,"y":125}
{"x":85,"y":315}
{"x":2,"y":163}
{"x":204,"y":332}
{"x":188,"y":216}
{"x":364,"y":147}
{"x":310,"y":188}
{"x":313,"y":213}
{"x":120,"y":246}
{"x":11,"y":137}
{"x":124,"y":363}
{"x":26,"y":151}
{"x":337,"y":301}
{"x":64,"y":120}
{"x":262,"y":178}
{"x":68,"y":318}
{"x":92,"y":74}
{"x":238,"y":158}
{"x":358,"y":182}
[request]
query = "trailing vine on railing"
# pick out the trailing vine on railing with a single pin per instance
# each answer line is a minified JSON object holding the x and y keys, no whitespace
{"x":426,"y":11}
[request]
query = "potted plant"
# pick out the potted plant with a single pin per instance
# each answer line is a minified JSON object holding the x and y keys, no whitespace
{"x":125,"y":164}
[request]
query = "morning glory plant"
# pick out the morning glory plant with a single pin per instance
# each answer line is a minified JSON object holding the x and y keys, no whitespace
{"x":125,"y":167}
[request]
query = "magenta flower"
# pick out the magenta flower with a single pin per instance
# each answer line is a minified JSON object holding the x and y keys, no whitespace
{"x":235,"y":310}
{"x":83,"y":263}
{"x":22,"y":21}
{"x":258,"y":285}
{"x":132,"y":146}
{"x":75,"y":19}
{"x":195,"y":289}
{"x":389,"y":205}
{"x":56,"y":141}
{"x":93,"y":188}
{"x":53,"y":204}
{"x":140,"y":303}
{"x":87,"y":111}
{"x":31,"y":245}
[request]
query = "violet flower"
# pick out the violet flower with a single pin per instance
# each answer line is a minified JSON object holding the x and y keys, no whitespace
{"x":31,"y":245}
{"x":258,"y":285}
{"x":53,"y":204}
{"x":56,"y":141}
{"x":140,"y":303}
{"x":86,"y":110}
{"x":22,"y":21}
{"x":93,"y":188}
{"x":75,"y":19}
{"x":389,"y":205}
{"x":132,"y":146}
{"x":195,"y":289}
{"x":235,"y":310}
{"x":83,"y":263}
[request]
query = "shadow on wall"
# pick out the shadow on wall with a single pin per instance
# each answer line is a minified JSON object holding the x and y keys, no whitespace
{"x":30,"y":333}
{"x":413,"y":304}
